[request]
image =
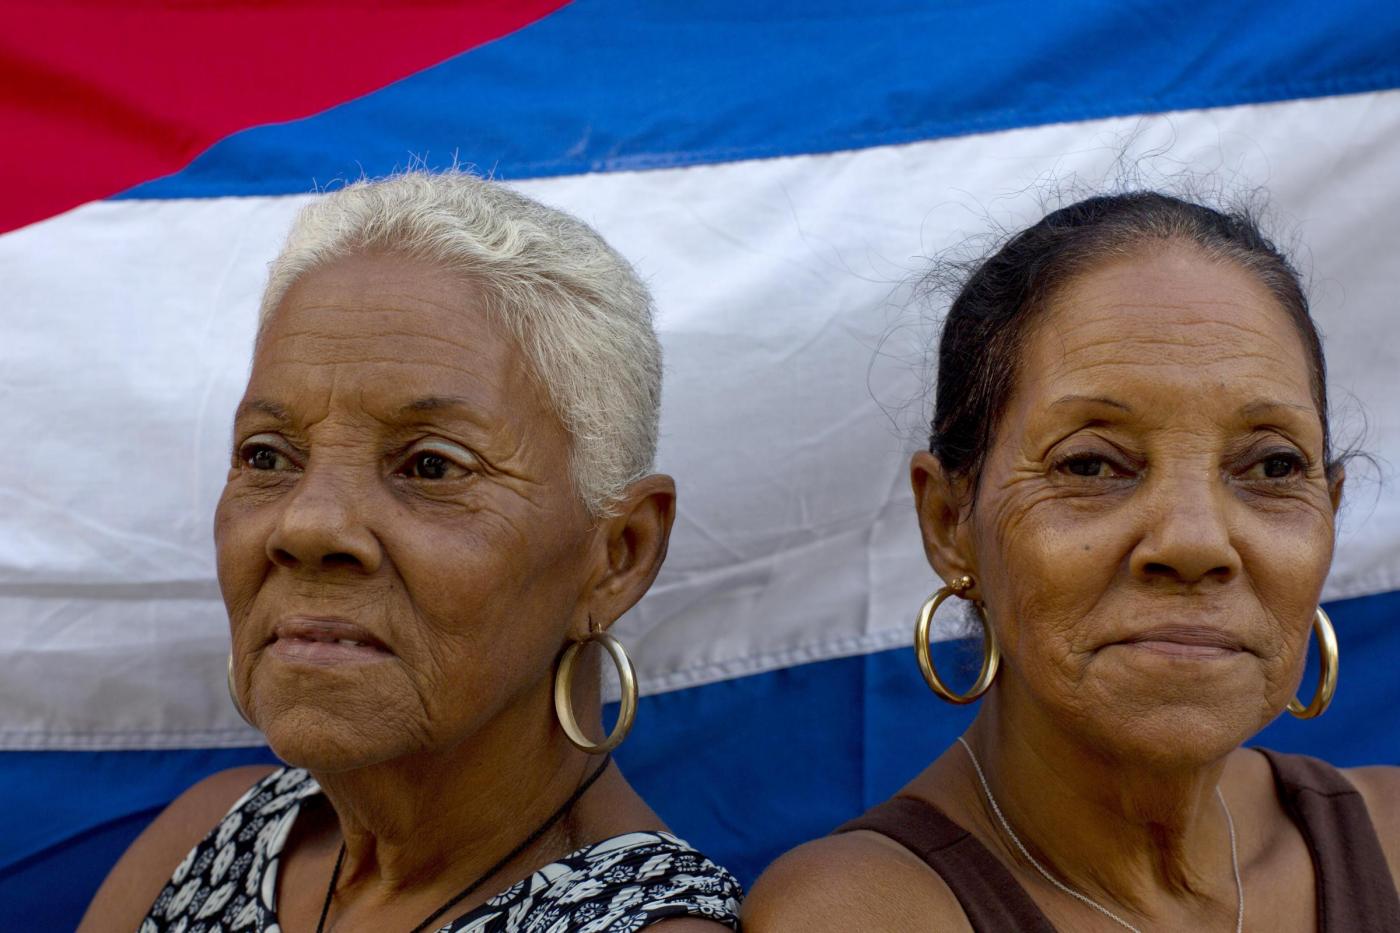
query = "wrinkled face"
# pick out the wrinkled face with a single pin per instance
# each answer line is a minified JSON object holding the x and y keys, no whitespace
{"x":1154,"y":522}
{"x":400,"y":547}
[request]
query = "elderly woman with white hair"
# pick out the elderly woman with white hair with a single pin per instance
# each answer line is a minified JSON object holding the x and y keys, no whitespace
{"x":440,"y":491}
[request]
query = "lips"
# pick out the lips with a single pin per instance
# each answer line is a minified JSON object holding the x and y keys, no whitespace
{"x":1186,"y":641}
{"x":326,"y":640}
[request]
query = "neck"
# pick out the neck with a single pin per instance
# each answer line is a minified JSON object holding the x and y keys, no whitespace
{"x":457,"y":812}
{"x":1148,"y":837}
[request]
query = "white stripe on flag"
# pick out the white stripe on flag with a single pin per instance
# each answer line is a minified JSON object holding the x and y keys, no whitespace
{"x":129,"y":325}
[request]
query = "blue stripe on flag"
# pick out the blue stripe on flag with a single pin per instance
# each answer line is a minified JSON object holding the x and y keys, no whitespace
{"x":603,"y":86}
{"x":773,"y":760}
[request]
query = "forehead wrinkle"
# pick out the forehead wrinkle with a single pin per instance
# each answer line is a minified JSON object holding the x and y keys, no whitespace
{"x":389,"y":315}
{"x":312,"y":335}
{"x":1184,"y":330}
{"x":1199,"y":365}
{"x":374,"y":361}
{"x":1201,"y":342}
{"x":388,"y":296}
{"x":316,"y":351}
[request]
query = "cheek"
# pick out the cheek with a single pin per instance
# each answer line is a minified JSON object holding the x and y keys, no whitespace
{"x":1044,"y":568}
{"x":460,"y":574}
{"x":1287,"y":555}
{"x":1286,"y":552}
{"x":240,"y":537}
{"x":486,"y":600}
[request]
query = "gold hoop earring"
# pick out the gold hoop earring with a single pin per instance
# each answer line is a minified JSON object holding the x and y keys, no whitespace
{"x":233,"y":696}
{"x":1327,"y":681}
{"x":991,"y":654}
{"x":564,"y":685}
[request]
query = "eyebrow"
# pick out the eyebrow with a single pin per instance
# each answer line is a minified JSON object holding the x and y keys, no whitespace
{"x":465,"y":408}
{"x":262,"y":406}
{"x":1096,"y":399}
{"x":1266,"y":406}
{"x":436,"y":403}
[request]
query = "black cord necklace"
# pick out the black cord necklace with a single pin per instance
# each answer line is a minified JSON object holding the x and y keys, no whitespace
{"x":528,"y":841}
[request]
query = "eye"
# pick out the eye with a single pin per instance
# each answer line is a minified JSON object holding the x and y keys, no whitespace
{"x":263,"y":456}
{"x":438,"y":461}
{"x":1089,"y":466}
{"x":1278,"y":466}
{"x":428,"y":466}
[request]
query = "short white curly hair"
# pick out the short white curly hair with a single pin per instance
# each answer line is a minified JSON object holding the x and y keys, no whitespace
{"x":580,"y":313}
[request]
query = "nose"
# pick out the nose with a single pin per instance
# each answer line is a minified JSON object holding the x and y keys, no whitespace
{"x":322,"y":527}
{"x":1186,"y":536}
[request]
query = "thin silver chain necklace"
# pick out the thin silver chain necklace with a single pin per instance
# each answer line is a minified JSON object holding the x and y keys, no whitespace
{"x":1083,"y":898}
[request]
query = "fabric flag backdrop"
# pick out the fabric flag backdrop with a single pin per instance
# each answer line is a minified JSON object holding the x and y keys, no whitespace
{"x":779,"y":173}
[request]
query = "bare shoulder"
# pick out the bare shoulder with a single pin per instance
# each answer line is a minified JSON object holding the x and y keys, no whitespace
{"x":136,"y":879}
{"x":853,"y":881}
{"x":1380,"y":788}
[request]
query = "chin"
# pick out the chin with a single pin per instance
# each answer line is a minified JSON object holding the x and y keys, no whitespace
{"x":324,"y":742}
{"x":1171,"y":734}
{"x":1172,"y":711}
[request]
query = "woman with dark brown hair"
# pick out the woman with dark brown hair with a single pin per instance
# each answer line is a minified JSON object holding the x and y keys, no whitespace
{"x":1130,"y":476}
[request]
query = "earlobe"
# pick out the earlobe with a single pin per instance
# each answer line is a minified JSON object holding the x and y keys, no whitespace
{"x":938,"y":501}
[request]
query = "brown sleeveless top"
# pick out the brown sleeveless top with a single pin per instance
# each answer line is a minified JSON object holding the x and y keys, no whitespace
{"x":1355,"y":891}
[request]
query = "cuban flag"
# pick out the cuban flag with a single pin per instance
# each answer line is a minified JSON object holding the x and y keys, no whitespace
{"x":780,"y":173}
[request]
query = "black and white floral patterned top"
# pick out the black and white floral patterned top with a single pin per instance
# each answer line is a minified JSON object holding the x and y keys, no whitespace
{"x":228,"y":882}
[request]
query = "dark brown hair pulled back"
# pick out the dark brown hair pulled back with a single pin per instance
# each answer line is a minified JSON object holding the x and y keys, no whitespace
{"x":983,"y":334}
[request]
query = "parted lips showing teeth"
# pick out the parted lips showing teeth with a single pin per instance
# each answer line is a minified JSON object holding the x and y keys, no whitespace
{"x":336,"y":631}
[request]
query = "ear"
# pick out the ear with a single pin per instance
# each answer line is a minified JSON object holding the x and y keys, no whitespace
{"x":939,"y":501}
{"x":1336,"y":478}
{"x":634,"y":540}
